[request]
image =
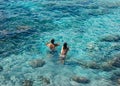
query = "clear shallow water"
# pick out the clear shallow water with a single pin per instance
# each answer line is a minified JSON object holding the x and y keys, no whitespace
{"x":25,"y":27}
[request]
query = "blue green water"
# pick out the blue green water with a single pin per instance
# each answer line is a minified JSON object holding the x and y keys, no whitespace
{"x":26,"y":25}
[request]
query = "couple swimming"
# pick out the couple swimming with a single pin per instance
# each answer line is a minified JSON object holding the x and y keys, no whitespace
{"x":64,"y":49}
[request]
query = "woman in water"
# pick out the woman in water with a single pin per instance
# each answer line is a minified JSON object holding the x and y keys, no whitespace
{"x":64,"y":51}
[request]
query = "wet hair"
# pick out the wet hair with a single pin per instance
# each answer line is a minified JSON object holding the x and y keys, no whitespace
{"x":52,"y":41}
{"x":65,"y":45}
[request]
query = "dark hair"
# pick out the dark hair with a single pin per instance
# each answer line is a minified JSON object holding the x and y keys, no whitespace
{"x":65,"y":45}
{"x":52,"y":41}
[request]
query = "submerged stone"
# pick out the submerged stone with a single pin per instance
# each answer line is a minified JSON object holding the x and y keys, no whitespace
{"x":93,"y":65}
{"x":116,"y":59}
{"x":111,"y":38}
{"x":117,"y":73}
{"x":1,"y":68}
{"x":116,"y":55}
{"x":107,"y":67}
{"x":92,"y":46}
{"x":115,"y":76}
{"x":80,"y":79}
{"x":44,"y":80}
{"x":116,"y":62}
{"x":27,"y":83}
{"x":23,"y":28}
{"x":115,"y":46}
{"x":37,"y":63}
{"x":118,"y":81}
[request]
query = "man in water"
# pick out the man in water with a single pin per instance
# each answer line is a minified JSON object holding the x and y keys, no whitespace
{"x":52,"y":45}
{"x":64,"y":51}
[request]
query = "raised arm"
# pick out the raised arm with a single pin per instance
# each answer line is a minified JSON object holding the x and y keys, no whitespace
{"x":47,"y":43}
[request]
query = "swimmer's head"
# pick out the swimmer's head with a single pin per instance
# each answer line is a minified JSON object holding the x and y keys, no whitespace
{"x":52,"y":41}
{"x":65,"y":45}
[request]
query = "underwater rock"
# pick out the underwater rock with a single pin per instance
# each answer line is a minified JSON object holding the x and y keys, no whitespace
{"x":116,"y":62}
{"x":23,"y":28}
{"x":118,"y":81}
{"x":44,"y":80}
{"x":27,"y":83}
{"x":93,"y":65}
{"x":37,"y":63}
{"x":116,"y":55}
{"x":1,"y":68}
{"x":96,"y":12}
{"x":117,"y":73}
{"x":91,"y":46}
{"x":107,"y":67}
{"x":111,"y":38}
{"x":115,"y":76}
{"x":115,"y":46}
{"x":80,"y":79}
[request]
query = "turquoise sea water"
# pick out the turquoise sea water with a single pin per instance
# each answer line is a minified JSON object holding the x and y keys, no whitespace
{"x":26,"y":25}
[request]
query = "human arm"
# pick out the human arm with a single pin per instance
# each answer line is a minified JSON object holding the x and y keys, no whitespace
{"x":47,"y":43}
{"x":57,"y":44}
